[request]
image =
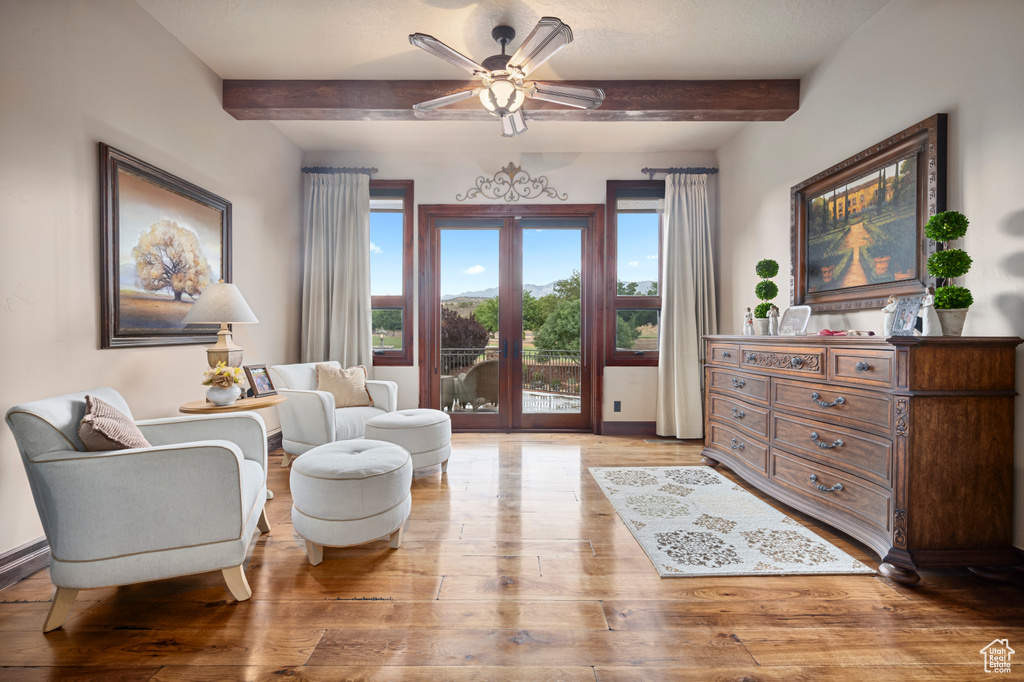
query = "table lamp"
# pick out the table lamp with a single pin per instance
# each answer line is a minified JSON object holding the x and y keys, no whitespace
{"x":221,"y":303}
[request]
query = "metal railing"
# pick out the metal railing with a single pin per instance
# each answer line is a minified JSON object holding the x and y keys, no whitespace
{"x":552,"y":371}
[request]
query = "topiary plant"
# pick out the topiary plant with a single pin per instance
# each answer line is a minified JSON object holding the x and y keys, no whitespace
{"x":947,"y":263}
{"x":765,"y":290}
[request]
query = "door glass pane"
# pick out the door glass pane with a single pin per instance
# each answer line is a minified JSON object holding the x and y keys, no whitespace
{"x":637,"y":329}
{"x":469,"y":320}
{"x":552,"y":261}
{"x":636,"y":255}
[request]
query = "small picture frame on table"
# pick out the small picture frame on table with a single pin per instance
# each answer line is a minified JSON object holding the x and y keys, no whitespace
{"x":794,"y":320}
{"x":906,"y":316}
{"x":259,"y":381}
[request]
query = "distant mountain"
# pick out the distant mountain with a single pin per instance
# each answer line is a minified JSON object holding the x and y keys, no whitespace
{"x":537,"y":290}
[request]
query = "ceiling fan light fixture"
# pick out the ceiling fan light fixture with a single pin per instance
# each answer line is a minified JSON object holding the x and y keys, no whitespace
{"x":502,"y":96}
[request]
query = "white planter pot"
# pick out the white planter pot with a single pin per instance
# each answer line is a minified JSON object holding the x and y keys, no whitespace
{"x":761,"y":326}
{"x":223,"y":396}
{"x":952,"y":320}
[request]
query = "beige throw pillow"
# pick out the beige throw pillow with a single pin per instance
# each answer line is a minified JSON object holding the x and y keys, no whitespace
{"x":105,"y":427}
{"x":348,"y":386}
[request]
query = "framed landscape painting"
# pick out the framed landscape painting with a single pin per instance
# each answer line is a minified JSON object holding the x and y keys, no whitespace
{"x":858,"y":228}
{"x":163,"y":241}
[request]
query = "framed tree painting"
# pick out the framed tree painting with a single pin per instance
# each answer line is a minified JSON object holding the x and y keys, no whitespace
{"x":858,"y":227}
{"x":163,"y":241}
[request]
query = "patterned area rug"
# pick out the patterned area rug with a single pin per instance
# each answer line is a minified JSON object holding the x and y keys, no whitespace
{"x":693,"y":521}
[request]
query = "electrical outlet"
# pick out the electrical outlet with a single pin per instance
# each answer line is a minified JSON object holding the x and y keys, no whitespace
{"x":618,"y":406}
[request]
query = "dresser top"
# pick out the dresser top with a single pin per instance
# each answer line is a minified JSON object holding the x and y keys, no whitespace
{"x":900,"y":341}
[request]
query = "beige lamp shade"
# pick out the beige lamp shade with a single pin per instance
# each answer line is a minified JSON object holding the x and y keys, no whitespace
{"x":221,"y":303}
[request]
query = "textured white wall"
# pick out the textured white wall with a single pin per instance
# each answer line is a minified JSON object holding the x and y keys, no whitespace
{"x":440,"y":177}
{"x":74,"y":73}
{"x":912,"y":60}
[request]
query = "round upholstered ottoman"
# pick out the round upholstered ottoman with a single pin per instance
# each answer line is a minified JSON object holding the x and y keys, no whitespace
{"x":426,"y":434}
{"x":350,"y":492}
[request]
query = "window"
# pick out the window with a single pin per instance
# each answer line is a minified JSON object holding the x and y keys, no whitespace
{"x":391,"y":271}
{"x":633,"y":254}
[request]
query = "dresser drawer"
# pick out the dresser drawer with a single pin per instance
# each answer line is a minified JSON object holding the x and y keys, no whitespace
{"x":859,"y":453}
{"x":869,"y":367}
{"x":750,"y":451}
{"x":724,"y":354}
{"x":740,"y":415}
{"x":828,"y":487}
{"x":800,"y":361}
{"x":860,"y":408}
{"x":739,"y":384}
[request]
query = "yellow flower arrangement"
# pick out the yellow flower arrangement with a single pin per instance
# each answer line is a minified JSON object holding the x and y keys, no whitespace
{"x":222,"y":376}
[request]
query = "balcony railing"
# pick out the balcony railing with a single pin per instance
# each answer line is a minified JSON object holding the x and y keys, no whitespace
{"x":551,"y":371}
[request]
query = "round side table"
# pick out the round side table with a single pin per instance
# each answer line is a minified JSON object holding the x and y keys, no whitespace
{"x":241,"y":405}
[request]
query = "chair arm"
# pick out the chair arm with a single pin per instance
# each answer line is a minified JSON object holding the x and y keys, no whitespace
{"x":384,"y":394}
{"x":246,"y":429}
{"x":123,"y":502}
{"x":307,"y":416}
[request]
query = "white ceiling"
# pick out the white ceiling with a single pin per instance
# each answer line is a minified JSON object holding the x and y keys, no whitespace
{"x":613,"y":39}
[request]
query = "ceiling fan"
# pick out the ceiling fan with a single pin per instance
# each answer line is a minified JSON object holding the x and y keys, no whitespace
{"x":505,"y":87}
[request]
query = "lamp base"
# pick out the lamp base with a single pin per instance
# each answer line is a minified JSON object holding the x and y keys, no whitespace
{"x":224,"y":350}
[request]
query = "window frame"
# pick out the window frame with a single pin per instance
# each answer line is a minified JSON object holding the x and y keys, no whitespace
{"x":403,"y":301}
{"x":615,"y":302}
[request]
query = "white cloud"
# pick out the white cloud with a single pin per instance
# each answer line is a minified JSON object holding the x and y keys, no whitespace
{"x":475,"y":270}
{"x":634,"y":263}
{"x":375,"y":249}
{"x":654,"y":257}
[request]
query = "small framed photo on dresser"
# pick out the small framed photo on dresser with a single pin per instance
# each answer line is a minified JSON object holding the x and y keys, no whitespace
{"x":259,"y":381}
{"x":906,"y":316}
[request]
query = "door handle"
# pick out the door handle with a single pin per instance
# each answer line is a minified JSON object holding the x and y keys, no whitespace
{"x":504,"y":348}
{"x":515,"y":349}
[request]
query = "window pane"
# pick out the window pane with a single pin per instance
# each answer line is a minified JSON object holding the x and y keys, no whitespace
{"x":387,"y":329}
{"x":386,"y":252}
{"x":636,"y":329}
{"x":636,"y":255}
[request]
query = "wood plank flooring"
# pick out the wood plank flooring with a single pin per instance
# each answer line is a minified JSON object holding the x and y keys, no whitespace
{"x":514,"y":566}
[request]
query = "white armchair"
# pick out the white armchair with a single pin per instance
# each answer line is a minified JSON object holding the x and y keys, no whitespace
{"x":188,"y":504}
{"x":309,"y":418}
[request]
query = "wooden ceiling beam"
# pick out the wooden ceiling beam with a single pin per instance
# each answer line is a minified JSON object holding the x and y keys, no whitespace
{"x":652,"y":100}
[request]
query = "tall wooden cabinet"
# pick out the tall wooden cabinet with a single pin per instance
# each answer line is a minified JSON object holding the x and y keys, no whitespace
{"x":905,"y":443}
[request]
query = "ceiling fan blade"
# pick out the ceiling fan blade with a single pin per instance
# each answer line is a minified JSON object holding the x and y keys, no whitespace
{"x":569,"y":95}
{"x":450,"y":55}
{"x":439,"y":102}
{"x":548,"y":37}
{"x":513,"y":124}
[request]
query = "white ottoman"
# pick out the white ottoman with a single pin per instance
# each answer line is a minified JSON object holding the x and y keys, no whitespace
{"x":426,"y":434}
{"x":350,"y":492}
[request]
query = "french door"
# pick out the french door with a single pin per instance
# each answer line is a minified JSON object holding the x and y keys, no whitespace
{"x":508,"y":315}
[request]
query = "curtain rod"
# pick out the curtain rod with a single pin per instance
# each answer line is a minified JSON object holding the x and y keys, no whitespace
{"x":686,"y":171}
{"x":334,"y":169}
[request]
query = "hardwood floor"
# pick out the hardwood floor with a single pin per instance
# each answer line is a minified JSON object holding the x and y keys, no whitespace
{"x":514,"y":566}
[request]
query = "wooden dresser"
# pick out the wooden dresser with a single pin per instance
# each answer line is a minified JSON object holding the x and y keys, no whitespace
{"x":904,"y":443}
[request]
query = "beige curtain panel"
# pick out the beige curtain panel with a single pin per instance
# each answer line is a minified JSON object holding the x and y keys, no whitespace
{"x":336,"y":318}
{"x":688,"y":309}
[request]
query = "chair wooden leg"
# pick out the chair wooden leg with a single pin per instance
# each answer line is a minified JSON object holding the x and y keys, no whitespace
{"x":444,"y":466}
{"x":396,"y":537}
{"x":286,"y":460}
{"x":263,"y":524}
{"x":238,"y":586}
{"x":315,"y":553}
{"x":60,"y":607}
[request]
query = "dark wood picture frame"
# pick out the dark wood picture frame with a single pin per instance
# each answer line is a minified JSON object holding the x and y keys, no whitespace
{"x":257,"y":376}
{"x":927,"y":142}
{"x":116,"y":332}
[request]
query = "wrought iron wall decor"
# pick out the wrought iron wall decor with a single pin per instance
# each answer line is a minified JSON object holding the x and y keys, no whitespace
{"x":511,"y":183}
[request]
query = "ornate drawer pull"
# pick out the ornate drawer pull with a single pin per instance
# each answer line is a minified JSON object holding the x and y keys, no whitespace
{"x":862,"y":367}
{"x":738,"y":414}
{"x":751,"y":357}
{"x":838,"y":401}
{"x":825,"y":446}
{"x":736,"y":445}
{"x":796,"y":362}
{"x":738,"y":383}
{"x":726,"y":354}
{"x":834,"y":489}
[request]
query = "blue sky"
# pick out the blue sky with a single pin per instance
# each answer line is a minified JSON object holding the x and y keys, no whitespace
{"x":469,"y":257}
